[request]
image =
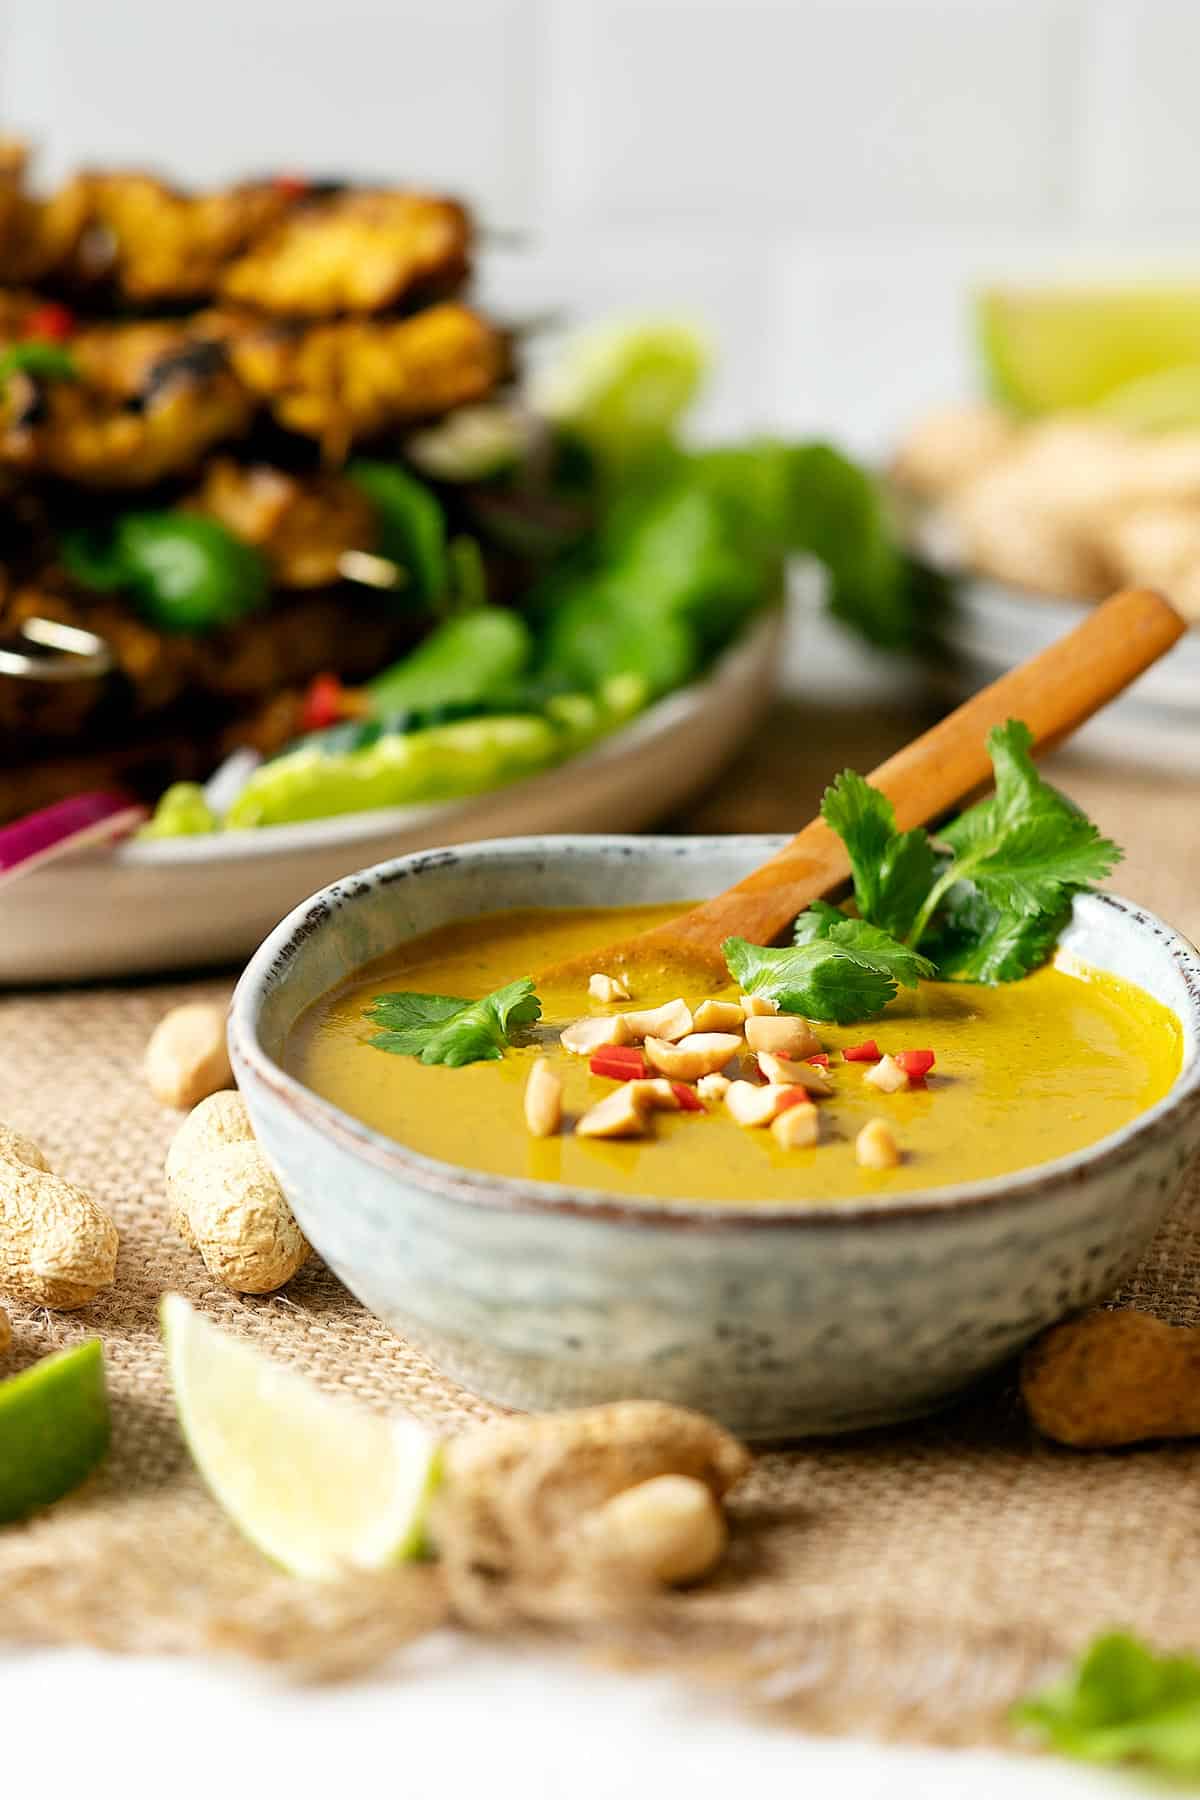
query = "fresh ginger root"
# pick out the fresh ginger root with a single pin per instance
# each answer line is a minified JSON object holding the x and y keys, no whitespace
{"x":625,"y":1497}
{"x":57,"y":1247}
{"x":228,"y":1204}
{"x":1114,"y":1378}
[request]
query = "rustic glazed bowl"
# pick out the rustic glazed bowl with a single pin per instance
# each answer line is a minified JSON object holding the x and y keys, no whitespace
{"x":781,"y":1321}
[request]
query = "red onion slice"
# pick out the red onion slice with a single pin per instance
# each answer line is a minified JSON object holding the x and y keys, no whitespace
{"x":80,"y":823}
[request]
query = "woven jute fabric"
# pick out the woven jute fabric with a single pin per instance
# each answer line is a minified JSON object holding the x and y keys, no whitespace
{"x":909,"y":1582}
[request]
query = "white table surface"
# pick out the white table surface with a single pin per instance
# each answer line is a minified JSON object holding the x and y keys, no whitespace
{"x":454,"y":1721}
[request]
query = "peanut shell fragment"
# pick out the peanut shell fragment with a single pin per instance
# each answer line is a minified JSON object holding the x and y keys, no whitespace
{"x":228,"y":1204}
{"x":58,"y":1248}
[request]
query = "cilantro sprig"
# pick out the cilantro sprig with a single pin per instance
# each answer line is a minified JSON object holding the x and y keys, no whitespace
{"x":983,"y":900}
{"x":439,"y":1028}
{"x":1122,"y":1702}
{"x":837,"y":968}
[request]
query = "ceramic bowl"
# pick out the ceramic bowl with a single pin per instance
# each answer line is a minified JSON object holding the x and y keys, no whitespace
{"x":781,"y":1321}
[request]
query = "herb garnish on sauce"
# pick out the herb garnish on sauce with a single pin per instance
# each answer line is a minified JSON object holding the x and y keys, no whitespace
{"x":984,"y":899}
{"x":440,"y":1029}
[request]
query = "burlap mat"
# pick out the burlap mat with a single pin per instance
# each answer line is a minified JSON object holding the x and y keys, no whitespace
{"x":909,"y":1582}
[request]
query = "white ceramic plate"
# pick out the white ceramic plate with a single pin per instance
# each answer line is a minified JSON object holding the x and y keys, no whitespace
{"x":184,"y":902}
{"x":990,"y":626}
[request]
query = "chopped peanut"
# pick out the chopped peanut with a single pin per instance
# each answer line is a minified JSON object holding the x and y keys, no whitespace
{"x":655,"y":1095}
{"x":875,"y":1146}
{"x":587,"y":1035}
{"x":797,"y":1128}
{"x":700,"y":1053}
{"x":783,"y":1035}
{"x":672,"y":1022}
{"x":753,"y":1105}
{"x":786,"y":1073}
{"x":719,"y":1015}
{"x":713,"y":1087}
{"x":886,"y":1075}
{"x":757,"y":1006}
{"x":543,"y":1100}
{"x":623,"y":1113}
{"x":607,"y":988}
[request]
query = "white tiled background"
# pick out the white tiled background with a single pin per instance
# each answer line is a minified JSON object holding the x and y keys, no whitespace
{"x":821,"y":179}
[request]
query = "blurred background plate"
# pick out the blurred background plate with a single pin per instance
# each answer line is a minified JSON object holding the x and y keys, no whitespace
{"x":180,"y":902}
{"x":990,"y":627}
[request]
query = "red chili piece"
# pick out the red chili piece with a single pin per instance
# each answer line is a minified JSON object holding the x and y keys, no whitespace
{"x":915,"y":1063}
{"x":323,"y":703}
{"x":689,"y":1100}
{"x":821,"y":1059}
{"x":620,"y":1062}
{"x":51,"y":322}
{"x":793,"y":1096}
{"x":292,"y":185}
{"x":868,"y":1051}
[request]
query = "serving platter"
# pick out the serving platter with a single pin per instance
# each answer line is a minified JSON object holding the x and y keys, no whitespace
{"x":168,"y":904}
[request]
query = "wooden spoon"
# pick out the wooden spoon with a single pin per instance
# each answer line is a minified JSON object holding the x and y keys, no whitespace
{"x":1053,"y":692}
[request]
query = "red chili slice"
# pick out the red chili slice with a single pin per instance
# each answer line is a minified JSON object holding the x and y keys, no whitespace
{"x":292,"y":185}
{"x":324,"y":703}
{"x":51,"y":322}
{"x":867,"y":1051}
{"x":689,"y":1100}
{"x":915,"y":1063}
{"x":793,"y":1096}
{"x":620,"y":1062}
{"x":821,"y":1059}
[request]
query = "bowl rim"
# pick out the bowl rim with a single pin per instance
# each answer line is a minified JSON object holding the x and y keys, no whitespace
{"x":500,"y":1193}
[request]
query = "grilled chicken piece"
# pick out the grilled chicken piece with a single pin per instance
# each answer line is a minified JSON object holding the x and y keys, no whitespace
{"x":353,"y":378}
{"x":356,"y":251}
{"x":163,"y":245}
{"x":151,"y":400}
{"x":37,"y":236}
{"x":302,"y":523}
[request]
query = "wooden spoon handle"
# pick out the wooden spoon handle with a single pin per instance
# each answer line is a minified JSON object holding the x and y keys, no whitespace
{"x":1053,"y":692}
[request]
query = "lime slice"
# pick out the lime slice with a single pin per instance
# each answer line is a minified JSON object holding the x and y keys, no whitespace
{"x":1168,"y":401}
{"x":319,"y":1486}
{"x":623,"y":385}
{"x":1046,"y":349}
{"x":54,"y":1428}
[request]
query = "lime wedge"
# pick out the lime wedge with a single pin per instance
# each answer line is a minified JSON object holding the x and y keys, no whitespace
{"x":319,"y":1486}
{"x":1047,"y":349}
{"x":54,"y":1428}
{"x":1168,"y":401}
{"x":623,"y":385}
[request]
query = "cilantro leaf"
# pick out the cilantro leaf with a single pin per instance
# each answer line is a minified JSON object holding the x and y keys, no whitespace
{"x":1123,"y":1701}
{"x":1027,"y":845}
{"x":842,"y":969}
{"x":893,"y":870}
{"x":991,"y":895}
{"x":972,"y":940}
{"x":440,"y":1029}
{"x":829,"y":924}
